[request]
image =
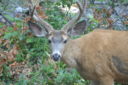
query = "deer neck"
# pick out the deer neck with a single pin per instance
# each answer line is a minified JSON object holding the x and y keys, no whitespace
{"x":70,"y":53}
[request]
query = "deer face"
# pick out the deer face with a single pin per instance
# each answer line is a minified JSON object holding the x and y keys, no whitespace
{"x":58,"y":38}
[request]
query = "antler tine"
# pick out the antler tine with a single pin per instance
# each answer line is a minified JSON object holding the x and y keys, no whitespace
{"x":43,"y":22}
{"x":34,"y":15}
{"x":85,"y":5}
{"x":72,"y":22}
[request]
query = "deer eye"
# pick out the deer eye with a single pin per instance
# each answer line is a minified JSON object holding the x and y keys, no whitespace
{"x":65,"y":41}
{"x":49,"y":41}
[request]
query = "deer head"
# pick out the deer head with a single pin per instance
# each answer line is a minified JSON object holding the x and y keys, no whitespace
{"x":58,"y":38}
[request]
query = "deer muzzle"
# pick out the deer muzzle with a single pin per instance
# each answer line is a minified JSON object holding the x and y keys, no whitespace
{"x":56,"y":56}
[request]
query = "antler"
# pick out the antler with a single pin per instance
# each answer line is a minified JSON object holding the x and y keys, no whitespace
{"x":34,"y":15}
{"x":43,"y":22}
{"x":73,"y":21}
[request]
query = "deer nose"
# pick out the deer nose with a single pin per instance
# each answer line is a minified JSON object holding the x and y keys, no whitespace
{"x":55,"y":57}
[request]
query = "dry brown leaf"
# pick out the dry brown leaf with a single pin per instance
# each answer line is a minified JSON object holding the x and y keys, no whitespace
{"x":125,"y":22}
{"x":109,"y":20}
{"x":41,"y":12}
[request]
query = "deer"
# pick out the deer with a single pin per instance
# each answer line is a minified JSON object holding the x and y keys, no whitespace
{"x":100,"y":56}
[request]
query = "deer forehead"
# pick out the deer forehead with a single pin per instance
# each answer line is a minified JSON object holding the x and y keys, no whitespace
{"x":57,"y":35}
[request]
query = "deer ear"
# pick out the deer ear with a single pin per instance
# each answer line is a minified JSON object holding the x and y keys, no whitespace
{"x":37,"y":30}
{"x":78,"y":29}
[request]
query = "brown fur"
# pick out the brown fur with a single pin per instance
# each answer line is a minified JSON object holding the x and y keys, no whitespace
{"x":100,"y":56}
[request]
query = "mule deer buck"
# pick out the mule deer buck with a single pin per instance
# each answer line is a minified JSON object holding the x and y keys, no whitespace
{"x":100,"y":56}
